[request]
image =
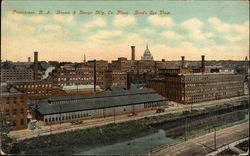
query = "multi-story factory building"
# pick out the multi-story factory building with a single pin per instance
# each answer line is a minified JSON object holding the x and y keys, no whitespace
{"x":140,"y":66}
{"x":36,"y":89}
{"x":13,"y":108}
{"x":184,"y":86}
{"x":10,"y":75}
{"x":193,"y":88}
{"x":115,"y":78}
{"x":78,"y":76}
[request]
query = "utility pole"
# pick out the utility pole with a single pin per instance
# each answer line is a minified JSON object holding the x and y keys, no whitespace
{"x":114,"y":115}
{"x":60,"y":115}
{"x":186,"y":129}
{"x":214,"y":138}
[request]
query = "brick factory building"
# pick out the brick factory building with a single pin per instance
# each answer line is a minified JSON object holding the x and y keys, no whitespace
{"x":101,"y":65}
{"x":184,"y":86}
{"x":37,"y":89}
{"x":140,"y":66}
{"x":10,"y":75}
{"x":13,"y":108}
{"x":78,"y":76}
{"x":115,"y":78}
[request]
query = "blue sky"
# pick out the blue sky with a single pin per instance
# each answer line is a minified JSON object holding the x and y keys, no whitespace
{"x":218,"y":29}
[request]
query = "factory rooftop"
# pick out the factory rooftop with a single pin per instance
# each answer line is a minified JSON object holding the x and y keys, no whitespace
{"x":107,"y":99}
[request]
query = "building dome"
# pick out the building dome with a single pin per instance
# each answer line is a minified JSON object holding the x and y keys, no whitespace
{"x":147,"y":55}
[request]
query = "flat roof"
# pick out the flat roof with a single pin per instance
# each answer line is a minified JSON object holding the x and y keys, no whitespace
{"x":98,"y":103}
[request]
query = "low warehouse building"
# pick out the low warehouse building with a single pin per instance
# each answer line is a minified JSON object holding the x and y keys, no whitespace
{"x":110,"y":103}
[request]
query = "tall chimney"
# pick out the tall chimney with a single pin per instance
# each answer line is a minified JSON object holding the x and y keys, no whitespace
{"x":133,"y":53}
{"x":95,"y":76}
{"x":128,"y":81}
{"x":182,"y":62}
{"x":35,"y":65}
{"x":202,"y":64}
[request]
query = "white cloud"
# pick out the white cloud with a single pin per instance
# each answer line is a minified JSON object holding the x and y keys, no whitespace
{"x":147,"y":31}
{"x":14,"y":17}
{"x":171,"y":35}
{"x":233,"y":38}
{"x":96,"y":22}
{"x":124,"y":20}
{"x":103,"y":36}
{"x":65,"y":19}
{"x":160,"y":21}
{"x":51,"y":27}
{"x":27,"y":29}
{"x":192,"y":25}
{"x":220,"y":26}
{"x":37,"y":19}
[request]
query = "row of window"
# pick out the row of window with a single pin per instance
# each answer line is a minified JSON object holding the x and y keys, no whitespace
{"x":14,"y":112}
{"x":213,"y":77}
{"x":153,"y":104}
{"x":34,"y":86}
{"x":69,"y":117}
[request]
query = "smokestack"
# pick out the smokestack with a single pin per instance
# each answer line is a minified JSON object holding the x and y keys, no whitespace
{"x":182,"y":62}
{"x":128,"y":81}
{"x":133,"y":53}
{"x":35,"y":65}
{"x":95,"y":76}
{"x":202,"y":64}
{"x":29,"y":59}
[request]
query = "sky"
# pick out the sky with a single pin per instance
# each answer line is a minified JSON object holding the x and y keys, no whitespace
{"x":217,"y":29}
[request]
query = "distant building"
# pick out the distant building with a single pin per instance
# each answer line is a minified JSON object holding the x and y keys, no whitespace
{"x":115,"y":78}
{"x":13,"y":107}
{"x":140,"y":66}
{"x":101,"y":65}
{"x":185,"y":85}
{"x":77,"y":76}
{"x":9,"y":75}
{"x":37,"y":89}
{"x":147,"y":55}
{"x":193,"y":88}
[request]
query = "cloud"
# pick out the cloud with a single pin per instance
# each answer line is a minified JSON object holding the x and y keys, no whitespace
{"x":233,"y":38}
{"x":96,"y":22}
{"x":171,"y":35}
{"x":192,"y":25}
{"x":121,"y":20}
{"x":104,"y":36}
{"x":135,"y":39}
{"x":220,"y":26}
{"x":37,"y":19}
{"x":64,"y":19}
{"x":51,"y":27}
{"x":160,"y":21}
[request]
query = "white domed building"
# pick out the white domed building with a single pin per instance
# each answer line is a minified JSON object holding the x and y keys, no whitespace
{"x":147,"y":55}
